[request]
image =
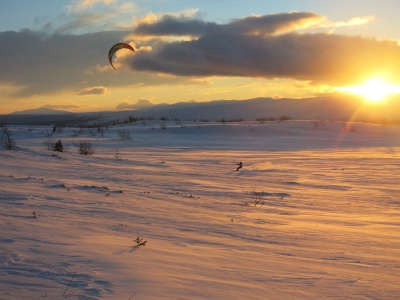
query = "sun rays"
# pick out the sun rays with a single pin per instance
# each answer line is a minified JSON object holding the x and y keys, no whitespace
{"x":373,"y":90}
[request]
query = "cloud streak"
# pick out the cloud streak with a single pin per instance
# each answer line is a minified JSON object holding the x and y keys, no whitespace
{"x":268,"y":46}
{"x":96,"y":90}
{"x":81,"y":5}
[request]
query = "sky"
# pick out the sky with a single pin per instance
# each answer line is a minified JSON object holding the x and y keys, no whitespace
{"x":54,"y":52}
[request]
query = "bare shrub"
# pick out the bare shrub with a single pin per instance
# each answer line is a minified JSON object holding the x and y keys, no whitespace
{"x":285,"y":118}
{"x":7,"y":139}
{"x":180,"y":123}
{"x":253,"y":197}
{"x":132,"y":119}
{"x":85,"y":148}
{"x":138,"y":242}
{"x":58,"y":128}
{"x":318,"y":123}
{"x":222,"y":120}
{"x":49,"y":142}
{"x":265,"y":119}
{"x":349,"y":127}
{"x":117,"y":154}
{"x":100,"y":130}
{"x":79,"y":132}
{"x":92,"y":132}
{"x":124,"y":134}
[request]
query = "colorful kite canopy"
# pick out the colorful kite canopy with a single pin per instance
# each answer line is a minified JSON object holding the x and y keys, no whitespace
{"x":117,"y":47}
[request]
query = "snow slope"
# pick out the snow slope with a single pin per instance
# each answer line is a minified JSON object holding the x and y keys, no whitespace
{"x":327,"y":225}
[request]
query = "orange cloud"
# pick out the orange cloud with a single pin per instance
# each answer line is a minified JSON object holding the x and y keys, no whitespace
{"x":82,"y":5}
{"x":96,"y":90}
{"x":268,"y":46}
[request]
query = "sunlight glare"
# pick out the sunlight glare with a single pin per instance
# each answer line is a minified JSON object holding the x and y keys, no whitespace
{"x":373,"y":90}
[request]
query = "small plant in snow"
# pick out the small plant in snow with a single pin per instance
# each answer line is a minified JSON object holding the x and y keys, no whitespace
{"x":139,"y":242}
{"x":49,"y":141}
{"x":78,"y":132}
{"x":68,"y":295}
{"x":124,"y":134}
{"x":254,"y":197}
{"x":58,"y":128}
{"x":285,"y":118}
{"x":58,"y":146}
{"x":179,"y":122}
{"x":101,"y":130}
{"x":117,"y":154}
{"x":7,"y":139}
{"x":318,"y":123}
{"x":349,"y":127}
{"x":85,"y":148}
{"x":92,"y":132}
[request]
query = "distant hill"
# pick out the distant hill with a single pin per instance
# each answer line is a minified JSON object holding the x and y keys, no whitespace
{"x":41,"y":111}
{"x":332,"y":107}
{"x":45,"y":116}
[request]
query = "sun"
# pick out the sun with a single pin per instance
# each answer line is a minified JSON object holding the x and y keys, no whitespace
{"x":373,"y":90}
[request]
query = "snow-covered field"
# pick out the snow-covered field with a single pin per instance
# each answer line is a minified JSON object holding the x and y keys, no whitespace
{"x":327,"y":225}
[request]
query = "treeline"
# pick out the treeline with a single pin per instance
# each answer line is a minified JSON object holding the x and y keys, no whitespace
{"x":134,"y":119}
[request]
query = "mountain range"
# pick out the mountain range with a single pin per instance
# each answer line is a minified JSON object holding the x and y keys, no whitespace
{"x":332,"y":107}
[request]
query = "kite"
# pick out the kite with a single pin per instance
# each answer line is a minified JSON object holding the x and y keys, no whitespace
{"x":117,"y":47}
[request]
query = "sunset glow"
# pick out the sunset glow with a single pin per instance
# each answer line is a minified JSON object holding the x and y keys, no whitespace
{"x":373,"y":90}
{"x":193,"y":51}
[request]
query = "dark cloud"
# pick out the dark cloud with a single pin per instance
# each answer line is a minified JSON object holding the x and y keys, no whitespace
{"x":266,"y":46}
{"x":38,"y":62}
{"x":96,"y":90}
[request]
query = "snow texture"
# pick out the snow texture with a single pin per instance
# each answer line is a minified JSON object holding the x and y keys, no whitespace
{"x":313,"y":214}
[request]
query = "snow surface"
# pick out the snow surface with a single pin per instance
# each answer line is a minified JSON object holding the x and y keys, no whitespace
{"x":327,"y":226}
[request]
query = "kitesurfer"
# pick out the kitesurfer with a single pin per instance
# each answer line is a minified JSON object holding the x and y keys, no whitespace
{"x":117,"y":47}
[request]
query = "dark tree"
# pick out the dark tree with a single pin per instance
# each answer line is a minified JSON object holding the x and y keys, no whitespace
{"x":58,"y":146}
